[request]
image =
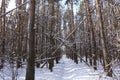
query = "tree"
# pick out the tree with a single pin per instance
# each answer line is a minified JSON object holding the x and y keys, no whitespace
{"x":107,"y":67}
{"x":19,"y":28}
{"x":92,"y":36}
{"x":3,"y":10}
{"x":51,"y":27}
{"x":31,"y":53}
{"x":71,"y":26}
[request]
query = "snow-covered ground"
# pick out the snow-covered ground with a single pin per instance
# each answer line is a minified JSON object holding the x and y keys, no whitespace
{"x":65,"y":70}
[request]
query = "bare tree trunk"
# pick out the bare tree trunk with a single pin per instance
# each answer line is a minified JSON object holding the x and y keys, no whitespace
{"x":3,"y":10}
{"x":89,"y":35}
{"x":93,"y":42}
{"x":74,"y":55}
{"x":51,"y":61}
{"x":105,"y":54}
{"x":31,"y":53}
{"x":57,"y":31}
{"x":19,"y":27}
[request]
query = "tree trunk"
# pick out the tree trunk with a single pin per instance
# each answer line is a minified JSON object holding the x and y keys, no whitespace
{"x":52,"y":44}
{"x":19,"y":27}
{"x":74,"y":55}
{"x":93,"y":42}
{"x":3,"y":10}
{"x":31,"y":53}
{"x":107,"y":68}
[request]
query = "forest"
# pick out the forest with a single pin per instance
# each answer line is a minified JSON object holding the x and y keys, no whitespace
{"x":37,"y":35}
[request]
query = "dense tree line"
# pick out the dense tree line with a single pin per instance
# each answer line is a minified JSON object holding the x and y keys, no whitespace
{"x":38,"y":32}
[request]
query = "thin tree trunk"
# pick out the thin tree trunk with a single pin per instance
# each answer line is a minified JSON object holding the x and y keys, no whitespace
{"x":74,"y":55}
{"x":3,"y":10}
{"x":51,"y":61}
{"x":19,"y":26}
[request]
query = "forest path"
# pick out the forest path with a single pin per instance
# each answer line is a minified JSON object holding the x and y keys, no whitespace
{"x":68,"y":70}
{"x":65,"y":70}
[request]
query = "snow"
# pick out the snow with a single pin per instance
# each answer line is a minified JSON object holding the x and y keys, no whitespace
{"x":65,"y":70}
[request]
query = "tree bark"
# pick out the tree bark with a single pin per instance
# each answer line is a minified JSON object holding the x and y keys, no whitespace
{"x":19,"y":27}
{"x":51,"y":27}
{"x":31,"y":53}
{"x":3,"y":10}
{"x":107,"y":68}
{"x":74,"y":55}
{"x":93,"y":42}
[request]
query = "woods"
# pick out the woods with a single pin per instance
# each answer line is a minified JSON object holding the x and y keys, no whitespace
{"x":36,"y":33}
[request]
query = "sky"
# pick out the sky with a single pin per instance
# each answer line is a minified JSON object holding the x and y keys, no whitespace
{"x":11,"y":5}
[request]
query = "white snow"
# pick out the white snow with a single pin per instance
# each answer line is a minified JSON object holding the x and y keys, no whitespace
{"x":65,"y":70}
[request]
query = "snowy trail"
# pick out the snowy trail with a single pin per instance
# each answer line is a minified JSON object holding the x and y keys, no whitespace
{"x":65,"y":70}
{"x":68,"y":70}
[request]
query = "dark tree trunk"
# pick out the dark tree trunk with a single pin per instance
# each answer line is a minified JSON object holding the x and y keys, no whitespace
{"x":74,"y":54}
{"x":93,"y":42}
{"x":19,"y":26}
{"x":31,"y":53}
{"x":3,"y":10}
{"x":52,"y":43}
